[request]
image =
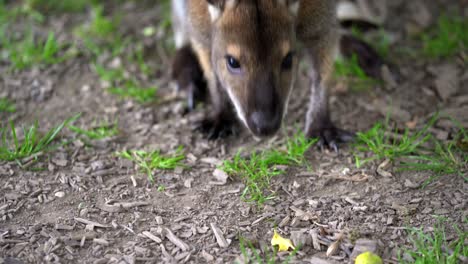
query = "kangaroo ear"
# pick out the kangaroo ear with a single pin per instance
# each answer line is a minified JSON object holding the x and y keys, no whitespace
{"x":216,"y":7}
{"x":293,"y":6}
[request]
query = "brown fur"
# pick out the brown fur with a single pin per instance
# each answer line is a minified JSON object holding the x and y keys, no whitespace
{"x":259,"y":34}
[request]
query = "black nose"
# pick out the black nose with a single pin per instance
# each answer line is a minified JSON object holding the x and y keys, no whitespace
{"x":264,"y":124}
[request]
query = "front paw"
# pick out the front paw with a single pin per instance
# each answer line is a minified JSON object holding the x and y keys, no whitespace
{"x":217,"y":127}
{"x":330,"y":136}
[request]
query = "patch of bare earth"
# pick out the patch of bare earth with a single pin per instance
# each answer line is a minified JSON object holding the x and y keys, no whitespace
{"x":82,"y":204}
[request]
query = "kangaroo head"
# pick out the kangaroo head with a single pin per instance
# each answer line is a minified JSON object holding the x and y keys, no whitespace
{"x":254,"y":58}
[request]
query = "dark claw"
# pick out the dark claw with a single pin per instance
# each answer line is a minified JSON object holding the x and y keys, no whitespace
{"x":191,"y":97}
{"x":330,"y":137}
{"x":214,"y":129}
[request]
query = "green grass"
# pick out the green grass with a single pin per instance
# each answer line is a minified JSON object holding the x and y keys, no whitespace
{"x":101,"y":34}
{"x":434,"y":248}
{"x":126,"y":87}
{"x":380,"y":42}
{"x":12,"y":148}
{"x":265,"y":256}
{"x":449,"y":37}
{"x":96,"y":132}
{"x":30,"y":51}
{"x":418,"y":151}
{"x":6,"y":106}
{"x":148,"y":162}
{"x":350,"y":70}
{"x":257,"y":170}
{"x":59,"y":6}
{"x":11,"y":13}
{"x":443,"y":158}
{"x":382,"y":145}
{"x":137,"y":57}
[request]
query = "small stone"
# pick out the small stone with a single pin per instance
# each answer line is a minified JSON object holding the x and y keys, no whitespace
{"x":207,"y":256}
{"x":159,"y":220}
{"x":390,"y":220}
{"x":84,"y":212}
{"x":179,"y":170}
{"x":60,"y":162}
{"x":220,"y":176}
{"x":60,"y":194}
{"x":97,"y":165}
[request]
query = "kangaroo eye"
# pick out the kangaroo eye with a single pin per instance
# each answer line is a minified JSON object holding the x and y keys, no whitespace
{"x":233,"y":64}
{"x":287,"y":61}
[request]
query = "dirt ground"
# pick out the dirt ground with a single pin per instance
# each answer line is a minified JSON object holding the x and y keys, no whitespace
{"x":62,"y":213}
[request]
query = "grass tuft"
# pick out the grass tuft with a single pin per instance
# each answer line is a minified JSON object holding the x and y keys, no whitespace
{"x":126,"y":87}
{"x":7,"y":106}
{"x":444,"y":158}
{"x":101,"y":131}
{"x":350,"y":70}
{"x":148,"y":162}
{"x":434,"y":248}
{"x":12,"y":148}
{"x":418,"y":151}
{"x":29,"y":51}
{"x":380,"y":42}
{"x":449,"y":37}
{"x":101,"y":34}
{"x":58,"y":6}
{"x":382,"y":145}
{"x":257,"y":170}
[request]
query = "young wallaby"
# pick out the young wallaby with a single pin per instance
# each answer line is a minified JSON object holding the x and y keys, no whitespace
{"x":248,"y":51}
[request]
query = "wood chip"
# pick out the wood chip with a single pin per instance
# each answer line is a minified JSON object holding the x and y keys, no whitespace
{"x":133,"y":181}
{"x":152,"y":237}
{"x":381,"y":169}
{"x":207,"y":256}
{"x":285,"y":221}
{"x":315,"y":240}
{"x":119,"y":207}
{"x":447,"y":81}
{"x":175,"y":240}
{"x":89,"y":222}
{"x":64,"y":227}
{"x":101,"y":241}
{"x":222,"y":242}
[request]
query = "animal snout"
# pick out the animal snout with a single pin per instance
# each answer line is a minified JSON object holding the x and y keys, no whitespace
{"x":264,"y":124}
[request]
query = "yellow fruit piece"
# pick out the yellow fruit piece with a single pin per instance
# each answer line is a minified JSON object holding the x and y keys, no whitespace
{"x":283,"y":244}
{"x":368,"y":258}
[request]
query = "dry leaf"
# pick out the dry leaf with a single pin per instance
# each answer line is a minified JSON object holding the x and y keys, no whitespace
{"x":333,"y":248}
